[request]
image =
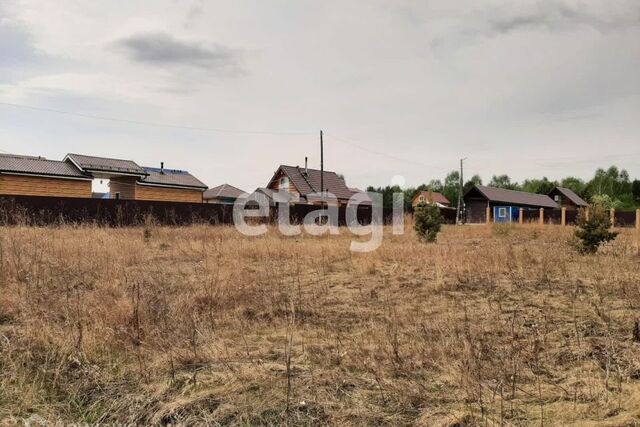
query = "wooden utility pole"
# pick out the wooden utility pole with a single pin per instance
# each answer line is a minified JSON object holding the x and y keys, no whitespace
{"x":459,"y":209}
{"x":321,"y":166}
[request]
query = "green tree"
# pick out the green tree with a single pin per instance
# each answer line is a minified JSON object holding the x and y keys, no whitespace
{"x":575,"y":184}
{"x":635,"y":190}
{"x":387,"y":194}
{"x":539,"y":186}
{"x":428,"y":221}
{"x":613,"y":182}
{"x":593,"y":230}
{"x":451,"y":187}
{"x":605,"y":201}
{"x":435,"y":185}
{"x":503,"y":181}
{"x":475,"y":180}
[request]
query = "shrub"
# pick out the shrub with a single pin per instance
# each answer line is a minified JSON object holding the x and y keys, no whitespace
{"x":593,"y":230}
{"x":428,"y":221}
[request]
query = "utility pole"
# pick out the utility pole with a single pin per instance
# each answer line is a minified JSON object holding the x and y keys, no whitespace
{"x":321,"y":166}
{"x":459,"y":209}
{"x":322,"y":201}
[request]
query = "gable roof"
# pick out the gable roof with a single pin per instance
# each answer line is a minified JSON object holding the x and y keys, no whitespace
{"x":171,"y":178}
{"x":11,"y":163}
{"x":573,"y":197}
{"x":309,"y":182}
{"x":433,"y":196}
{"x":105,"y":164}
{"x":225,"y":191}
{"x":516,"y":197}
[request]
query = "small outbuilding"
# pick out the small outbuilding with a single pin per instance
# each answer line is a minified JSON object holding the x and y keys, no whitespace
{"x":504,"y":205}
{"x":567,"y":198}
{"x":224,"y":194}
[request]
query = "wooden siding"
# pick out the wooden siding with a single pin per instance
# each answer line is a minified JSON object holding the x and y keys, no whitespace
{"x":565,"y":202}
{"x":163,"y":194}
{"x":476,"y":210}
{"x":126,"y":186}
{"x":22,"y":185}
{"x":275,"y":184}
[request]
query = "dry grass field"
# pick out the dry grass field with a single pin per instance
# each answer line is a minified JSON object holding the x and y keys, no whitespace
{"x":490,"y":326}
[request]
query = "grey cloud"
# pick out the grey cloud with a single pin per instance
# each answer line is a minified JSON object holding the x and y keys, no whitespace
{"x":546,"y":15}
{"x":557,"y":16}
{"x":164,"y":49}
{"x":19,"y":55}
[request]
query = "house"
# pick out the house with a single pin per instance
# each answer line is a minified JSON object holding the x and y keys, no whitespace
{"x":224,"y":194}
{"x":271,"y":197}
{"x":303,"y":184}
{"x":566,"y":198}
{"x":37,"y":176}
{"x":169,"y":185}
{"x":128,"y":180}
{"x":430,"y":197}
{"x":504,"y":205}
{"x":122,"y":174}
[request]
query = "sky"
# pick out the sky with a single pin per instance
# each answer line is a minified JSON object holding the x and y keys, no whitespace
{"x":230,"y":90}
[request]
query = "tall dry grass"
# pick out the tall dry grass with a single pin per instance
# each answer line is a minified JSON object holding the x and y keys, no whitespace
{"x":152,"y":325}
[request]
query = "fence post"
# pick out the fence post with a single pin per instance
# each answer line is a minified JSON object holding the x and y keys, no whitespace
{"x":612,"y":217}
{"x":638,"y":231}
{"x":563,"y":220}
{"x":541,"y":216}
{"x":521,"y":216}
{"x":488,"y":219}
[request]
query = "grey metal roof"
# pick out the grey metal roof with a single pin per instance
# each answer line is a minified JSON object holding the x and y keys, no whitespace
{"x":171,"y":178}
{"x":516,"y":197}
{"x":105,"y":164}
{"x":573,"y":197}
{"x":308,"y":181}
{"x":38,"y":166}
{"x":224,"y":190}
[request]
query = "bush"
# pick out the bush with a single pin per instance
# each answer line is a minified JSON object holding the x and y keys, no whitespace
{"x":593,"y":230}
{"x":428,"y":221}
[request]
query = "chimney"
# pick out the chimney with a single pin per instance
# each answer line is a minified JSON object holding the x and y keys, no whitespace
{"x":161,"y":167}
{"x":305,"y":166}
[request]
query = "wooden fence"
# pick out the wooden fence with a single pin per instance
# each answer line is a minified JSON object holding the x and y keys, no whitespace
{"x":37,"y":210}
{"x":569,"y":217}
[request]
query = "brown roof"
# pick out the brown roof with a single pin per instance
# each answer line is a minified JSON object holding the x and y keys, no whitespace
{"x":309,"y":182}
{"x":171,"y":178}
{"x":225,"y":191}
{"x":433,"y":197}
{"x":11,"y":163}
{"x":105,"y":164}
{"x":515,"y":197}
{"x":573,"y":197}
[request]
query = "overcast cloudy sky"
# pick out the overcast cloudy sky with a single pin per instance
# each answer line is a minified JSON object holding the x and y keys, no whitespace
{"x":527,"y":88}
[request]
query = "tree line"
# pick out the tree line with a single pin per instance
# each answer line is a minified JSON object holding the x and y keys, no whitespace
{"x":610,"y":187}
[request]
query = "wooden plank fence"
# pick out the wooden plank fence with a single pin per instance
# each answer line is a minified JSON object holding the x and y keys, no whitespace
{"x":40,"y":211}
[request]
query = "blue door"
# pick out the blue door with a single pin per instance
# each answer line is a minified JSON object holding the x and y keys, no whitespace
{"x":515,"y":214}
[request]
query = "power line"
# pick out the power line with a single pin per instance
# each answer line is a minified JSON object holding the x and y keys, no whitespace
{"x":379,"y":153}
{"x":153,"y":124}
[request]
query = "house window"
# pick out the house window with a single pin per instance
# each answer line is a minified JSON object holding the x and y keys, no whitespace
{"x":284,"y":183}
{"x":421,"y":198}
{"x":502,"y":212}
{"x":117,"y":195}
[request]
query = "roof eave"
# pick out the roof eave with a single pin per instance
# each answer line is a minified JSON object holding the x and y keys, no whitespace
{"x":47,"y":175}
